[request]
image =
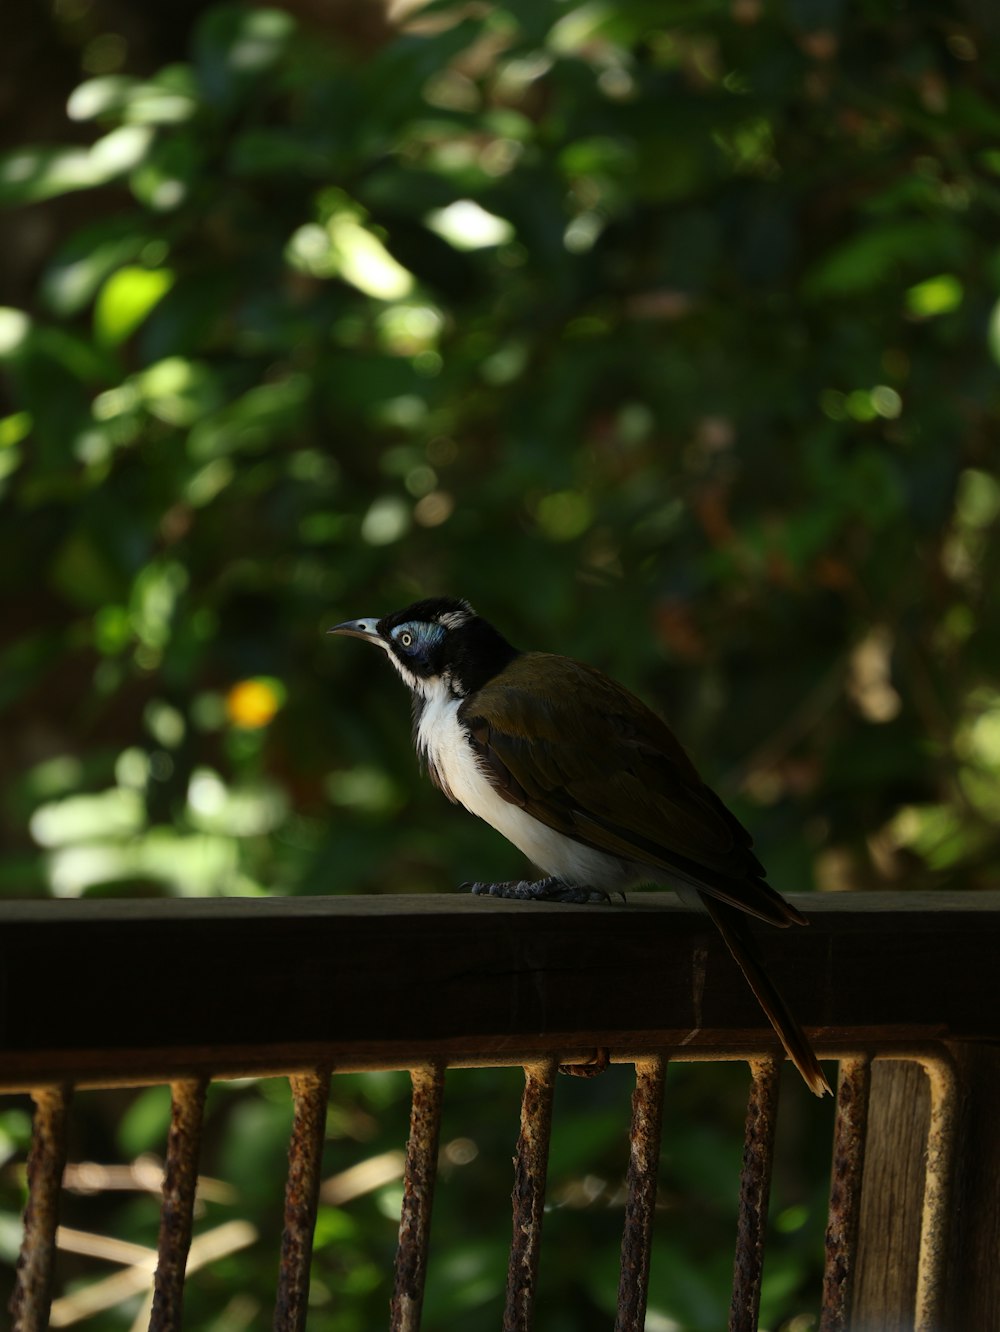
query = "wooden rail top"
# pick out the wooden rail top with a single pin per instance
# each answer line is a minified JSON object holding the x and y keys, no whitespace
{"x":125,"y":991}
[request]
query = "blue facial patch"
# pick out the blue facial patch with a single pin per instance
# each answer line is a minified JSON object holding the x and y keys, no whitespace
{"x":415,"y":637}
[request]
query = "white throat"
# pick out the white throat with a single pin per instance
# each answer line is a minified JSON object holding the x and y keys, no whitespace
{"x":440,"y":740}
{"x":452,"y":764}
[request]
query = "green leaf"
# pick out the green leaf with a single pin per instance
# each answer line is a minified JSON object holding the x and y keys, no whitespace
{"x":234,"y":46}
{"x":167,"y":99}
{"x":14,"y":428}
{"x":883,"y":254}
{"x":126,"y":299}
{"x":143,"y":1127}
{"x":252,"y":421}
{"x":993,"y":333}
{"x":178,"y":391}
{"x":94,"y":98}
{"x":73,"y":277}
{"x":165,"y":179}
{"x":15,"y":328}
{"x":32,"y":174}
{"x":935,"y":296}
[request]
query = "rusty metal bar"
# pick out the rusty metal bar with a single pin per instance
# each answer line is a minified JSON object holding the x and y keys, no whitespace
{"x":938,"y":1179}
{"x":419,"y":1176}
{"x":640,"y":1201}
{"x":528,"y":1199}
{"x":755,"y":1189}
{"x":29,"y":1304}
{"x":310,"y":1093}
{"x":180,"y":1179}
{"x":849,"y":1136}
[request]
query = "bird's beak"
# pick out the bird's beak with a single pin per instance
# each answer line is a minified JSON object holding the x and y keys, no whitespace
{"x":359,"y":629}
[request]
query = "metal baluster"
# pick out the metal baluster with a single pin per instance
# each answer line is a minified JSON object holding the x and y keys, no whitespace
{"x":310,"y":1092}
{"x":849,"y":1137}
{"x":640,"y":1203}
{"x":29,"y":1305}
{"x":530,"y":1165}
{"x":755,"y":1189}
{"x":180,"y":1179}
{"x":419,"y":1176}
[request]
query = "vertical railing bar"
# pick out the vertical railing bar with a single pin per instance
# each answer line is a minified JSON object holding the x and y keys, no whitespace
{"x":419,"y":1177}
{"x":310,"y":1095}
{"x":528,"y":1199}
{"x":640,"y":1189}
{"x":939,"y":1168}
{"x":180,"y":1180}
{"x":849,"y":1137}
{"x":755,"y":1190}
{"x":32,"y":1297}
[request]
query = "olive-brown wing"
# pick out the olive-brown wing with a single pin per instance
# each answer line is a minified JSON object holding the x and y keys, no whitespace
{"x":585,"y":757}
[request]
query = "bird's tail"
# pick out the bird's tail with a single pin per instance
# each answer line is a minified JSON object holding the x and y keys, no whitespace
{"x":732,"y":925}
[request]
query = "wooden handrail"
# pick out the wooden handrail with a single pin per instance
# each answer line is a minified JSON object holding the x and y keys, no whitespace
{"x":899,"y":987}
{"x":107,"y":991}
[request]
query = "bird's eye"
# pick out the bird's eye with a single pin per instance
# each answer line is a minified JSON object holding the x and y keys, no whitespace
{"x":406,"y":639}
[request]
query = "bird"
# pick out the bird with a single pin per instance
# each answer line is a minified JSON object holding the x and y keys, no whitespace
{"x":583,"y":778}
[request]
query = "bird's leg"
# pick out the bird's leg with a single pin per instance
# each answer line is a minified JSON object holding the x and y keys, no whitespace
{"x":539,"y":890}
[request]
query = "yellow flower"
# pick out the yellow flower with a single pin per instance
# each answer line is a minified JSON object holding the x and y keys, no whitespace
{"x":251,"y":704}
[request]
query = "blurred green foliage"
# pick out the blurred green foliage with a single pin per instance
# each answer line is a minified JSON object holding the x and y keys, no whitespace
{"x":667,"y":334}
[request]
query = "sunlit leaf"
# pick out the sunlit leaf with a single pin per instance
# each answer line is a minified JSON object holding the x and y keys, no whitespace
{"x":246,"y":811}
{"x":153,"y":602}
{"x":126,"y":299}
{"x":28,"y":175}
{"x":386,"y":521}
{"x":467,"y":226}
{"x":360,"y":258}
{"x":78,"y":818}
{"x":14,"y":428}
{"x":178,"y":391}
{"x":79,"y":268}
{"x":98,"y":97}
{"x":170,"y":98}
{"x":935,"y":296}
{"x":574,"y":30}
{"x":15,"y":326}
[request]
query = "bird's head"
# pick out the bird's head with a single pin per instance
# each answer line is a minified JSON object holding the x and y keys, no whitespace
{"x":437,"y":645}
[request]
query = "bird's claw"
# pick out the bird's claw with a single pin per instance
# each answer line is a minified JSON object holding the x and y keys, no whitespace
{"x":539,"y":890}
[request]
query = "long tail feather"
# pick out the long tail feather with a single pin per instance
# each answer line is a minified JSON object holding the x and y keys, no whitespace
{"x":732,"y":926}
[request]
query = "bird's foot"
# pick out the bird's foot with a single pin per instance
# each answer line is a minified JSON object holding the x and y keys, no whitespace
{"x":539,"y":890}
{"x":599,"y":1062}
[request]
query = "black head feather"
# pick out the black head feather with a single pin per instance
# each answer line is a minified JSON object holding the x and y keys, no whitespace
{"x":443,"y":636}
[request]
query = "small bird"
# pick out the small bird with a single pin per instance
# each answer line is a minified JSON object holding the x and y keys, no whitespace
{"x":589,"y":783}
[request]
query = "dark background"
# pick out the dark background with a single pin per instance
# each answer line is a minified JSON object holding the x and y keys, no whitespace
{"x":668,"y":335}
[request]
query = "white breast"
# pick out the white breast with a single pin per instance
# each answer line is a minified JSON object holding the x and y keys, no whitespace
{"x":441,"y":741}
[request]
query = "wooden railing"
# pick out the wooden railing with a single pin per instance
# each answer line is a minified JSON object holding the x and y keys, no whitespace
{"x":901,"y":989}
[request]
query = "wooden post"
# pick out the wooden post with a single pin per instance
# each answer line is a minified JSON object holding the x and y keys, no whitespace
{"x":970,"y":1294}
{"x":892,"y":1198}
{"x":930,"y":1211}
